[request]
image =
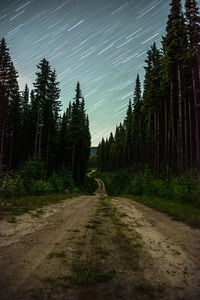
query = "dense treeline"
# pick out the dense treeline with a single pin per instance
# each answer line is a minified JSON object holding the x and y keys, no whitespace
{"x":161,"y":130}
{"x":31,"y":127}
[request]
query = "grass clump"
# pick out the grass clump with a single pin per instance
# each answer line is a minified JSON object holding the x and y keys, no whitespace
{"x":88,"y":275}
{"x":180,"y":211}
{"x":20,"y":205}
{"x":126,"y":241}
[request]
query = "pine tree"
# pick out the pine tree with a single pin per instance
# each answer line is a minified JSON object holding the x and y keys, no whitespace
{"x":137,"y":92}
{"x":3,"y":117}
{"x":11,"y":128}
{"x":64,"y":147}
{"x":46,"y":106}
{"x":175,"y":52}
{"x":193,"y":30}
{"x":128,"y":138}
{"x":79,"y":137}
{"x":14,"y":119}
{"x":5,"y":63}
{"x":41,"y":95}
{"x":137,"y":124}
{"x":152,"y":108}
{"x":27,"y":126}
{"x":25,"y":100}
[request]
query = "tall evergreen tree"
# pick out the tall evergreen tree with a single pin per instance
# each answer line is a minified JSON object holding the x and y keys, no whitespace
{"x":5,"y":63}
{"x":137,"y":92}
{"x":193,"y":30}
{"x":8,"y":79}
{"x":3,"y":117}
{"x":137,"y":124}
{"x":79,"y":137}
{"x":175,"y":51}
{"x":27,"y":129}
{"x":46,"y":107}
{"x":128,"y":146}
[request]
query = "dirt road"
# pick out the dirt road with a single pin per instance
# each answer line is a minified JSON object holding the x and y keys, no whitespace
{"x":95,"y":247}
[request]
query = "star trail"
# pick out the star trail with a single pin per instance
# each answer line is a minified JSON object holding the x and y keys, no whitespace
{"x":100,"y":43}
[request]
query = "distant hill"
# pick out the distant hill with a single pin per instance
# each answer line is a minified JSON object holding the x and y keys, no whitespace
{"x":93,"y":150}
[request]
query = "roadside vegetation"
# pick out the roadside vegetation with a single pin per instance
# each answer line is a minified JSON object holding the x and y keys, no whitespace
{"x":30,"y":187}
{"x":179,"y":196}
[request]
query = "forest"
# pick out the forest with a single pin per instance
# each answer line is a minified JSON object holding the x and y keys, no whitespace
{"x":43,"y":151}
{"x":161,"y":130}
{"x":155,"y":150}
{"x":36,"y":142}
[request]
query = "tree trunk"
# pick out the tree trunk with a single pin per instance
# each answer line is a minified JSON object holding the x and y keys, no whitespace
{"x":47,"y":151}
{"x":158,"y":146}
{"x":140,"y":148}
{"x":3,"y":117}
{"x":155,"y":144}
{"x":172,"y":123}
{"x":169,"y":140}
{"x":197,"y":120}
{"x":166,"y":131}
{"x":147,"y":151}
{"x":190,"y":135}
{"x":73,"y":157}
{"x":180,"y":126}
{"x":36,"y":135}
{"x":11,"y":152}
{"x":2,"y":144}
{"x":40,"y":140}
{"x":185,"y":134}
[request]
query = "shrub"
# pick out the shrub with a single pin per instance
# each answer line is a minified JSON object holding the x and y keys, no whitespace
{"x":142,"y":184}
{"x":62,"y":181}
{"x":184,"y":188}
{"x":187,"y":189}
{"x":32,"y":170}
{"x":12,"y":186}
{"x":116,"y":182}
{"x":90,"y":185}
{"x":40,"y":187}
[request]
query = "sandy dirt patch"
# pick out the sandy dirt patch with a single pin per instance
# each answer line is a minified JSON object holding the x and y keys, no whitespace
{"x":174,"y":248}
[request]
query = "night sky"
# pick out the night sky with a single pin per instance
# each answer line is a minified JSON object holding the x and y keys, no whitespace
{"x":100,"y":43}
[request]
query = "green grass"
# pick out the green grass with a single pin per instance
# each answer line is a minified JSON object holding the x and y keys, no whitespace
{"x":126,"y":241}
{"x":20,"y":205}
{"x":185,"y":212}
{"x":88,"y":276}
{"x":97,"y":266}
